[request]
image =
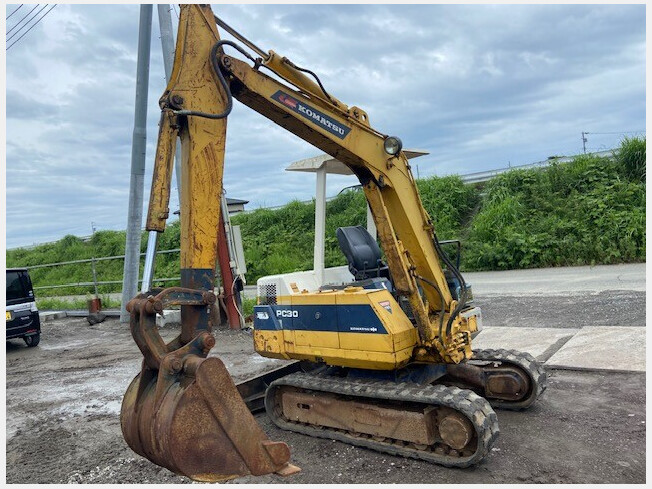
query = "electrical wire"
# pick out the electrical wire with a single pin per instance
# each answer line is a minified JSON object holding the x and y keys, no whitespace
{"x":33,"y":25}
{"x":27,"y":23}
{"x":26,"y":15}
{"x":19,"y":7}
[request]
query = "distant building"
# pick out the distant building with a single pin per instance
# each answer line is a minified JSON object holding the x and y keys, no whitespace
{"x":235,"y":205}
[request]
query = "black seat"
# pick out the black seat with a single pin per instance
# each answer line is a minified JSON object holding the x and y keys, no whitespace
{"x":362,"y":252}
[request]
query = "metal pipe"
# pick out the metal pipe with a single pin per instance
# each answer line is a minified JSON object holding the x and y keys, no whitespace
{"x":241,"y":38}
{"x":148,"y":269}
{"x":138,"y":151}
{"x":105,"y":282}
{"x":94,"y":277}
{"x":167,"y":45}
{"x":101,"y":258}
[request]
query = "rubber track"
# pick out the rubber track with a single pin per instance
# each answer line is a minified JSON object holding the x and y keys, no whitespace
{"x":474,"y":407}
{"x":531,"y":366}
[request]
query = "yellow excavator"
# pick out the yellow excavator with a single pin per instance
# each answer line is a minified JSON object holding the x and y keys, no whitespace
{"x":392,"y":364}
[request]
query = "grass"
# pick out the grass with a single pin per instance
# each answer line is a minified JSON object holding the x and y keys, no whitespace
{"x":66,"y":304}
{"x":588,"y":211}
{"x":248,"y":306}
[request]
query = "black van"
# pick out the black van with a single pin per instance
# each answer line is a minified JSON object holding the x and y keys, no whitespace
{"x":22,"y":315}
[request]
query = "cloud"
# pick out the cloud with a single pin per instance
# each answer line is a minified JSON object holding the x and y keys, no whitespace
{"x":478,"y":86}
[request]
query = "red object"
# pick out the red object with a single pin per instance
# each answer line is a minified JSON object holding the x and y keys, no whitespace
{"x":94,"y":305}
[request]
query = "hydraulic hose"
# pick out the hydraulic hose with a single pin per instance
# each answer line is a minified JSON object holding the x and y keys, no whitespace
{"x":441,"y":299}
{"x":216,"y":67}
{"x":458,"y":275}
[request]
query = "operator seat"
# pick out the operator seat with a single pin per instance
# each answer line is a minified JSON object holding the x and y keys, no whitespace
{"x":362,"y":252}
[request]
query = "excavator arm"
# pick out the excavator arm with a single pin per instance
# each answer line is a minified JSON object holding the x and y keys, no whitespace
{"x":195,"y":103}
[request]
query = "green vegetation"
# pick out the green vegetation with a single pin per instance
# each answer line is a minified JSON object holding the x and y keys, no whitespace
{"x":248,"y":306}
{"x":102,"y":244}
{"x":61,"y":304}
{"x":588,"y":211}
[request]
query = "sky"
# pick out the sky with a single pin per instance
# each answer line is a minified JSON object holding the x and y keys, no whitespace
{"x":479,"y":87}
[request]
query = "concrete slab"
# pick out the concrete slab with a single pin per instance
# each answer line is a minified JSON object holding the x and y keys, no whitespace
{"x":170,"y":317}
{"x":541,"y":343}
{"x":51,"y":315}
{"x":603,"y":348}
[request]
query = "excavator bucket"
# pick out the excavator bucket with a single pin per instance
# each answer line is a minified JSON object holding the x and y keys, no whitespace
{"x":186,"y":414}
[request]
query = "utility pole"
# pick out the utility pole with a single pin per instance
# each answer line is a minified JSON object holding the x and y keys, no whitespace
{"x":138,"y":149}
{"x":584,"y":140}
{"x":167,"y":45}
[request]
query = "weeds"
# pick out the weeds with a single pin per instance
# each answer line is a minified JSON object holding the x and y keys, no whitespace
{"x":67,"y":304}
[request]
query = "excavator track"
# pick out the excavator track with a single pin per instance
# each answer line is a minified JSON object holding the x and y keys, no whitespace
{"x":537,"y":375}
{"x":464,"y":407}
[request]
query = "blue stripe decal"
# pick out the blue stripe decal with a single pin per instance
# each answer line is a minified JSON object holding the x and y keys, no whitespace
{"x":343,"y":318}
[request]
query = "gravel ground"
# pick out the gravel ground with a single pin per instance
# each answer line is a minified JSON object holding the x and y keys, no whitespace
{"x":63,"y":404}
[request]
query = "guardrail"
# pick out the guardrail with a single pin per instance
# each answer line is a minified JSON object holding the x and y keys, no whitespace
{"x":95,"y":283}
{"x":485,"y":176}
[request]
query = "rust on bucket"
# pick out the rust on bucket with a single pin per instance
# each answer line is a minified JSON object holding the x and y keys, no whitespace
{"x":184,"y":412}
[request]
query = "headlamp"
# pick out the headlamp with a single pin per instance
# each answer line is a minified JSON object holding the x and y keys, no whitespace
{"x":392,"y":145}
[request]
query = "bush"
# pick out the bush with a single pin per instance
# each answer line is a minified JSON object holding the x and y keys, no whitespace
{"x":588,"y":211}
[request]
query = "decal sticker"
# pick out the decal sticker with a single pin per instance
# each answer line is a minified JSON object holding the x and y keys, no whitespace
{"x":262,"y":315}
{"x":312,"y":114}
{"x":286,"y":313}
{"x":386,"y":305}
{"x":363,"y":329}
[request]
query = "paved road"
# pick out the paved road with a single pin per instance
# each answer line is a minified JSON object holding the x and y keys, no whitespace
{"x":537,"y":281}
{"x":559,"y":281}
{"x":551,"y":281}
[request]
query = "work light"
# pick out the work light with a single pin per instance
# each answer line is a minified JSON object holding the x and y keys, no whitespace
{"x":392,"y":145}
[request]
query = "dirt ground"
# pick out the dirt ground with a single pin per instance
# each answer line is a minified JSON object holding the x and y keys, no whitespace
{"x":63,"y":406}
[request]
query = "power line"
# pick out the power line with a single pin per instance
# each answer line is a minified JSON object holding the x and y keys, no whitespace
{"x":27,"y":22}
{"x":15,"y":11}
{"x":33,"y":25}
{"x":27,"y":15}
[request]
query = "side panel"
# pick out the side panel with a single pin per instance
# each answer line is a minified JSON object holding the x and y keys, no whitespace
{"x":315,"y":321}
{"x":269,"y":336}
{"x":350,"y":328}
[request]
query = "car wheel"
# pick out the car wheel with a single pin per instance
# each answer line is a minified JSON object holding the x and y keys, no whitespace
{"x":33,"y":340}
